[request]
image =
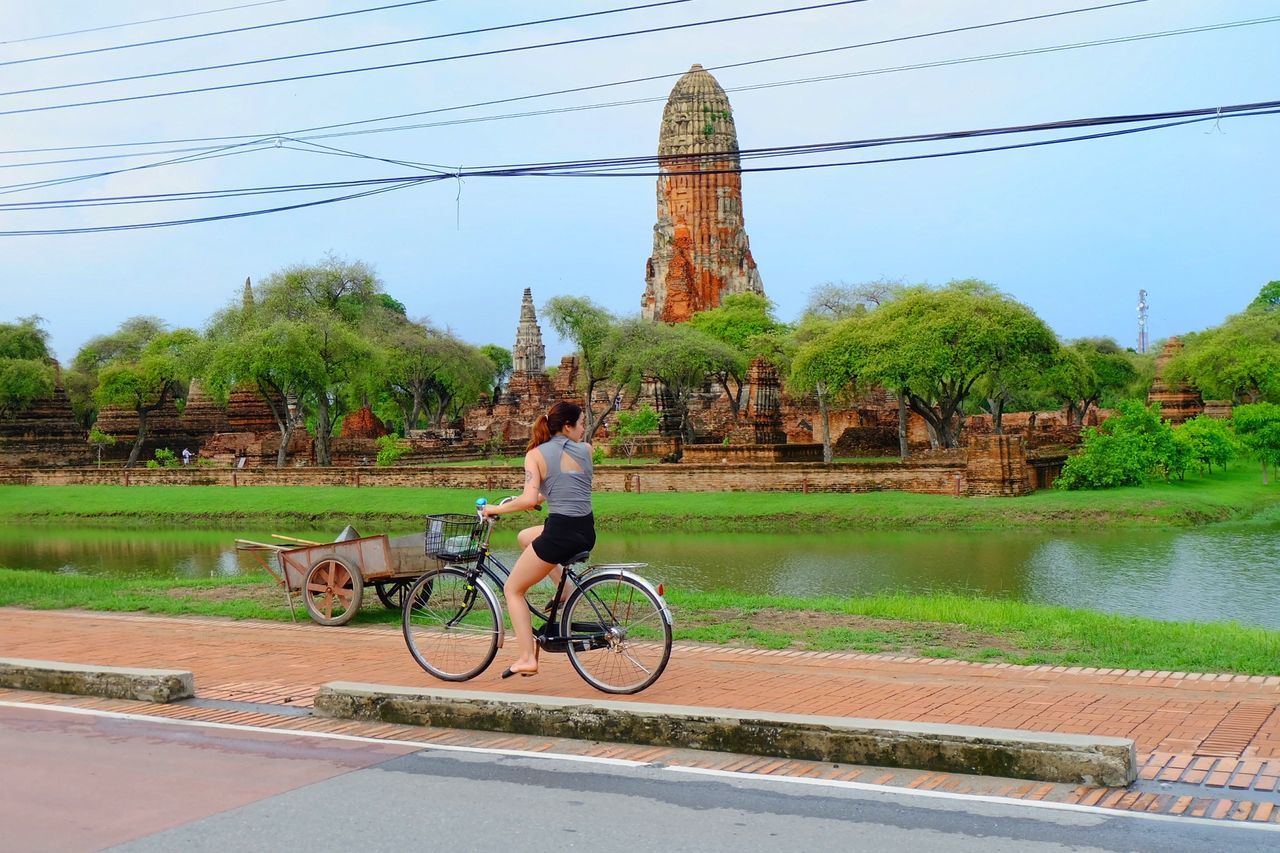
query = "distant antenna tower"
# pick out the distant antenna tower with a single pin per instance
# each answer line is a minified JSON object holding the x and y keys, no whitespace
{"x":1142,"y":321}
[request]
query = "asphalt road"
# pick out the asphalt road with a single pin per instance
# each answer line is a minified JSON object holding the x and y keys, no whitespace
{"x":78,"y":781}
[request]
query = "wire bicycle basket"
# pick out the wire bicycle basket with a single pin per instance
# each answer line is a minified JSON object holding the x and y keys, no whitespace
{"x":453,"y":537}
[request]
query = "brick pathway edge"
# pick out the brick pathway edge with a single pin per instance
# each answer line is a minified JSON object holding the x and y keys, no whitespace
{"x":1040,"y":756}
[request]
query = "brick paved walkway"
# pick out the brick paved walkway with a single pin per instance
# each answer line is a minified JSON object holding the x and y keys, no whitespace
{"x":1198,"y":732}
{"x":1174,"y":713}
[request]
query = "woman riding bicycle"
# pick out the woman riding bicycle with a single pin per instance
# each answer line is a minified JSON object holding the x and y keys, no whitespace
{"x":557,"y":466}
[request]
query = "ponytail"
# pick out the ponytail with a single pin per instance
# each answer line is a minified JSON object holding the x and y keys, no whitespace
{"x":559,"y":416}
{"x":541,"y":433}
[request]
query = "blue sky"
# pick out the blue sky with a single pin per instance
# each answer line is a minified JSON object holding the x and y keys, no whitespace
{"x":1073,"y":230}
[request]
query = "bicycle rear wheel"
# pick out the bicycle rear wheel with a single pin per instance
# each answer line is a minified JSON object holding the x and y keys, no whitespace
{"x":451,"y":623}
{"x":619,"y":633}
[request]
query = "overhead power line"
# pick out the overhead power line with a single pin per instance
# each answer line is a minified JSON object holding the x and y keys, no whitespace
{"x":278,"y":23}
{"x":437,"y":59}
{"x":608,"y":167}
{"x":348,"y":49}
{"x":303,"y":136}
{"x":137,"y":23}
{"x":492,"y":102}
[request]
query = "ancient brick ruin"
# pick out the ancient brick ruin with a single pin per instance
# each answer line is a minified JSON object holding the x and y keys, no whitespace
{"x":1179,"y":401}
{"x":700,"y":247}
{"x":46,"y":435}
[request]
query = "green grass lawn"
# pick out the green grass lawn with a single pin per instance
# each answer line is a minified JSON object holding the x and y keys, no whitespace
{"x":1236,"y":496}
{"x":944,"y":626}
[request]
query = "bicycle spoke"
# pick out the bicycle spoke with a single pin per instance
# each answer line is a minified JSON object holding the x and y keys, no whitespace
{"x":619,"y":607}
{"x":451,"y":626}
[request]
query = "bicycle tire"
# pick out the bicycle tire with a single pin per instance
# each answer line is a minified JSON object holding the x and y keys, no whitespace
{"x":451,"y":622}
{"x":633,"y":644}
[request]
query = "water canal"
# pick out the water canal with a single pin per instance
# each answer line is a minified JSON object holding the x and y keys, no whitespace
{"x":1204,"y":574}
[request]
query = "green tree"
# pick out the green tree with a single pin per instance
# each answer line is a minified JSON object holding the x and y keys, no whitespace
{"x":343,"y":306}
{"x":1238,"y":360}
{"x":1083,"y":372}
{"x":1268,"y":298}
{"x":676,"y":356}
{"x":503,"y":364}
{"x":1209,"y":441}
{"x":812,"y":369}
{"x":933,"y":345}
{"x":1258,"y":426}
{"x":276,"y":355}
{"x":1124,"y":451}
{"x":26,"y":367}
{"x":596,"y":335}
{"x":745,"y":323}
{"x":141,"y":367}
{"x":99,"y":440}
{"x":631,"y":426}
{"x":424,"y":367}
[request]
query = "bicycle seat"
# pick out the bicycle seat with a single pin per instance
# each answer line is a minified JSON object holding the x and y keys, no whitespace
{"x":577,"y":558}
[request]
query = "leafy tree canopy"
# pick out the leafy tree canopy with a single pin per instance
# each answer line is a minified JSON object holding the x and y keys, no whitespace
{"x":933,"y":344}
{"x":1268,"y":298}
{"x":24,"y":339}
{"x":1083,"y":372}
{"x":1239,"y":360}
{"x":744,"y":321}
{"x":26,"y":369}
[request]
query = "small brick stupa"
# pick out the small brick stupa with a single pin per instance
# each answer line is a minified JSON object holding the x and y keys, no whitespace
{"x":45,"y":435}
{"x":1179,"y":402}
{"x":529,"y":385}
{"x":700,"y":248}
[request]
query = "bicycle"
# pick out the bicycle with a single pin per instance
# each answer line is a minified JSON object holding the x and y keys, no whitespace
{"x":615,"y":626}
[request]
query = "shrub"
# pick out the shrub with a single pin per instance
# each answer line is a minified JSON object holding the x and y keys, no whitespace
{"x":165,"y":458}
{"x":390,"y":450}
{"x":1209,"y":442}
{"x":1258,"y":426}
{"x":632,"y":425}
{"x":1126,"y":450}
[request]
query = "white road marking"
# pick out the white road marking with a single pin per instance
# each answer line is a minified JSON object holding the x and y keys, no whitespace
{"x":623,"y":762}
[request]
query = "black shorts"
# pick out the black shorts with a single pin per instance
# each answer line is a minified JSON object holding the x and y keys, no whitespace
{"x":565,"y":536}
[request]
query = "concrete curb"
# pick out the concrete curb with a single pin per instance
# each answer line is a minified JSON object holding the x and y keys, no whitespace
{"x":1043,"y":756}
{"x":112,"y":682}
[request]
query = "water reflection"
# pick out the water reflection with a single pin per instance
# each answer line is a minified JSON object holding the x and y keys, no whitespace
{"x":1210,"y":575}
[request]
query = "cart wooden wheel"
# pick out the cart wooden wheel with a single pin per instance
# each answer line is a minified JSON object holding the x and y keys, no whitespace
{"x":332,"y":591}
{"x":392,"y":593}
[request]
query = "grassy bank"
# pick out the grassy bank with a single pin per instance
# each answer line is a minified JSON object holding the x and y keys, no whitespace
{"x":1236,"y":495}
{"x":944,"y":626}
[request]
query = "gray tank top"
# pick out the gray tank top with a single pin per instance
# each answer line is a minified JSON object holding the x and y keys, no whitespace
{"x":568,"y":492}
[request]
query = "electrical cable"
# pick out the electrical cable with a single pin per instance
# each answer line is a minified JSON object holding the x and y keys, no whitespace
{"x":134,"y":226}
{"x":137,"y":23}
{"x":433,"y":60}
{"x":574,"y":90}
{"x":210,"y":34}
{"x":596,"y":167}
{"x":432,"y":178}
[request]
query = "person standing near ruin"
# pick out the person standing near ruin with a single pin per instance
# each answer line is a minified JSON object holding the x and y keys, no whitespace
{"x":186,"y":456}
{"x":557,"y":468}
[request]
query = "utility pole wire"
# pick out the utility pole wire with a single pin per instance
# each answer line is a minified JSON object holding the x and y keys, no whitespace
{"x":433,"y":60}
{"x":137,"y":23}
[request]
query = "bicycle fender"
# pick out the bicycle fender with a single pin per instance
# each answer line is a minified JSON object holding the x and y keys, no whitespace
{"x":609,"y":571}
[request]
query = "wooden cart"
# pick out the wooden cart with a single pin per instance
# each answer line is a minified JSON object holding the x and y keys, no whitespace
{"x":330,"y":577}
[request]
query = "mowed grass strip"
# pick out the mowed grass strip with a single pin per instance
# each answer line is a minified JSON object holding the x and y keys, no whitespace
{"x":944,"y":626}
{"x":1234,"y":495}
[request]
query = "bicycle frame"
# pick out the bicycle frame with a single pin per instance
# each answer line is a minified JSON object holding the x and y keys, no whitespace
{"x":547,"y":631}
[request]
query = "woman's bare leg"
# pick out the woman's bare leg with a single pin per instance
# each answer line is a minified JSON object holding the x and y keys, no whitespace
{"x":528,"y":570}
{"x":525,"y":537}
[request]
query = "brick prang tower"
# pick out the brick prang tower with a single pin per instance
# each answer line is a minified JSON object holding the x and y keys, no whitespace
{"x":528,"y":355}
{"x":700,"y":249}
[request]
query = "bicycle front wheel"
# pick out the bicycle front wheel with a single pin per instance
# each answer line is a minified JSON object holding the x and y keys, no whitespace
{"x":451,"y":623}
{"x":619,"y":633}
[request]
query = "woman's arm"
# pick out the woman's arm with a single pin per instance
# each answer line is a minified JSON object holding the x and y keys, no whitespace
{"x":531,"y":497}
